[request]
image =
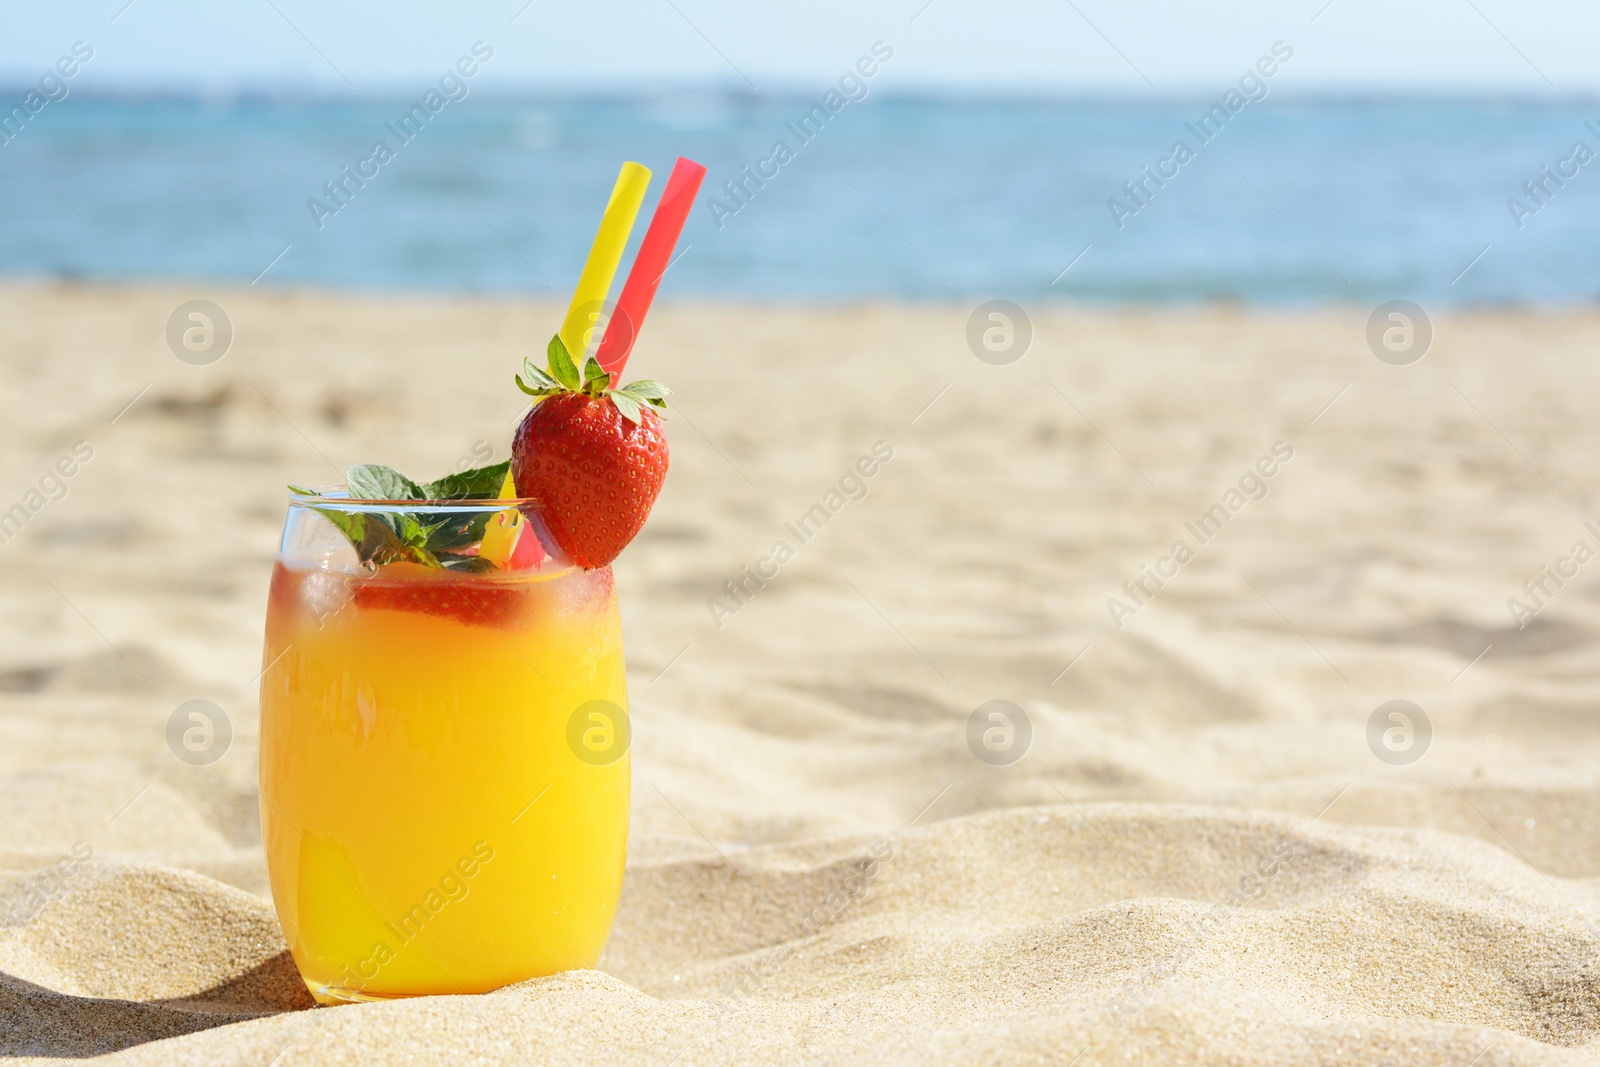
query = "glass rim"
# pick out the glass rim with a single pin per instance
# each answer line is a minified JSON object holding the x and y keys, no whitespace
{"x":338,"y":497}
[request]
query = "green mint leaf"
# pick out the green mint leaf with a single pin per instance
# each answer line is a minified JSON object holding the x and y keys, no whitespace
{"x":467,"y":564}
{"x":379,"y":543}
{"x":350,"y":523}
{"x":458,"y":535}
{"x":373,"y":481}
{"x":417,"y":554}
{"x":374,"y":537}
{"x":300,"y":490}
{"x":411,"y":532}
{"x":562,"y":369}
{"x":480,"y":483}
{"x":408,"y":537}
{"x":627,"y":405}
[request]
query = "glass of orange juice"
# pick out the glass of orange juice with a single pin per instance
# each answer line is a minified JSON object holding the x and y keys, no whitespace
{"x":444,"y":756}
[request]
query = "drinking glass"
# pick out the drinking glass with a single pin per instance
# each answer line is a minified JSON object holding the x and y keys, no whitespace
{"x":444,"y":757}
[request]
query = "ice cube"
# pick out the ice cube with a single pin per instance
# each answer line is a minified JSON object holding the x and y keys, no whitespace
{"x":325,"y":593}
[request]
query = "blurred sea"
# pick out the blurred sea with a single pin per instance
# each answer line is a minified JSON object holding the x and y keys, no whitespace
{"x":1291,"y":203}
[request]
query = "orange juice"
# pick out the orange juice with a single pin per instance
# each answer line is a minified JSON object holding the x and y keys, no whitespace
{"x":444,"y":775}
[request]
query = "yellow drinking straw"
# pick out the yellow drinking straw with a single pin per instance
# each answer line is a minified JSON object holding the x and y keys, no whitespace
{"x":583,"y":314}
{"x":594,"y":284}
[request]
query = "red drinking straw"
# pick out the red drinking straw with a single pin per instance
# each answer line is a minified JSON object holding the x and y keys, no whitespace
{"x":655,"y":255}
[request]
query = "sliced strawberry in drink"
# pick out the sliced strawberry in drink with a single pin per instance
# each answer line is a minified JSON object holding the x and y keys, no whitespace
{"x":464,"y":598}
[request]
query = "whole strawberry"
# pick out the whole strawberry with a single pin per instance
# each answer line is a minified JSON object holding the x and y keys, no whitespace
{"x":593,"y":456}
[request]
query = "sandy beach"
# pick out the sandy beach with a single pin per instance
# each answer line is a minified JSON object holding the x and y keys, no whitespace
{"x":1204,"y":855}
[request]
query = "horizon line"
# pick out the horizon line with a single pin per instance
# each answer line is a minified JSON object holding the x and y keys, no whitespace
{"x":738,"y":95}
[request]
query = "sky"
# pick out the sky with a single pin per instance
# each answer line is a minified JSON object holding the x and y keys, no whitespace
{"x":1138,"y":49}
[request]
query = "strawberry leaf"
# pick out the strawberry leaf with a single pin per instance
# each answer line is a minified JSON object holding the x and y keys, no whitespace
{"x":536,"y":374}
{"x":627,"y":405}
{"x":595,"y":380}
{"x":562,"y":369}
{"x":646,"y":389}
{"x":539,"y":383}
